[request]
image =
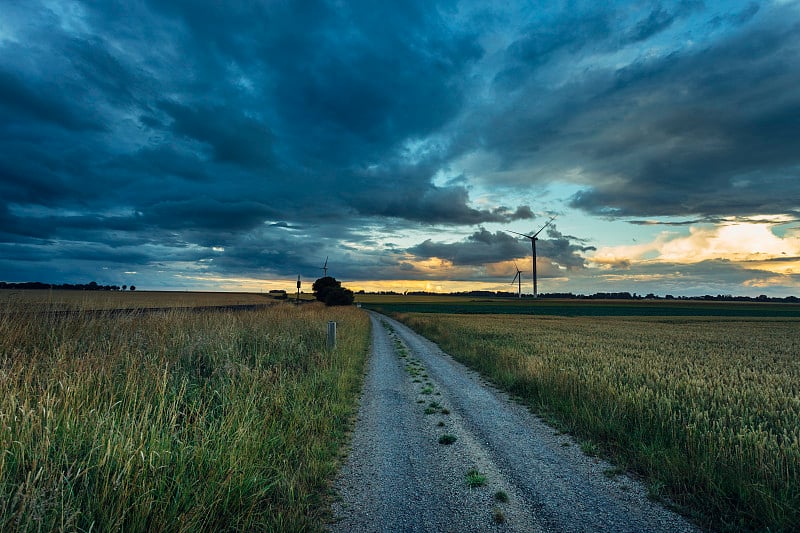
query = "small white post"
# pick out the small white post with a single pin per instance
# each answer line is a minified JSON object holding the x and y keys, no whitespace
{"x":331,"y":335}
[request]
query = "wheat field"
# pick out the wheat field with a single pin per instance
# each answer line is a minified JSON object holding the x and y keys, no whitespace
{"x":707,"y":408}
{"x":71,"y":300}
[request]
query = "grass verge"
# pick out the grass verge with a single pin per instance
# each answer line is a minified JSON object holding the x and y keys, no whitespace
{"x":176,"y":420}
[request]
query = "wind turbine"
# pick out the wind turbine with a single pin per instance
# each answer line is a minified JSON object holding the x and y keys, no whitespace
{"x":518,"y":279}
{"x":533,"y":239}
{"x":325,"y":267}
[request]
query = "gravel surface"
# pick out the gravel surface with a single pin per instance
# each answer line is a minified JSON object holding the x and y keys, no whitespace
{"x":398,"y":477}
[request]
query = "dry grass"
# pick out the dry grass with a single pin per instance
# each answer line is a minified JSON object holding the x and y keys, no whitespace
{"x":174,"y":420}
{"x":709,"y":409}
{"x":32,"y":300}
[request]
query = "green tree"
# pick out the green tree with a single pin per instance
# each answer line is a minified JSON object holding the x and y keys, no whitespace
{"x":339,"y":296}
{"x":330,"y":291}
{"x":322,"y":286}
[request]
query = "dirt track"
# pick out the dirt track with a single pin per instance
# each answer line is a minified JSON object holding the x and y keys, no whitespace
{"x":398,"y":477}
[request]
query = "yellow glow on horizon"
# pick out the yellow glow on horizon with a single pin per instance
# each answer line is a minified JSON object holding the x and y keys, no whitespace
{"x":436,"y":267}
{"x":735,"y":242}
{"x":754,"y":244}
{"x":508,"y":268}
{"x":433,"y":263}
{"x":772,"y":281}
{"x":784,"y":268}
{"x":409,"y":285}
{"x":222,"y":284}
{"x":238,"y":284}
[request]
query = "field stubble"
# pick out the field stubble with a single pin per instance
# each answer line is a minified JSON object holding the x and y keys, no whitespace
{"x":707,"y":408}
{"x":174,"y":420}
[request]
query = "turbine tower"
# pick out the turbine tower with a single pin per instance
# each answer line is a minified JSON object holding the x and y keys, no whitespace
{"x":518,"y":279}
{"x":325,"y":268}
{"x":533,"y":239}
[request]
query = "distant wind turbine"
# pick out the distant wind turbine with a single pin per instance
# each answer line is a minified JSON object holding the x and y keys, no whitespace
{"x":325,"y":267}
{"x":518,"y":279}
{"x":533,"y":239}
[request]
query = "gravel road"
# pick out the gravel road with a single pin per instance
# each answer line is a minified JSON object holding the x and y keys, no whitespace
{"x":398,"y":477}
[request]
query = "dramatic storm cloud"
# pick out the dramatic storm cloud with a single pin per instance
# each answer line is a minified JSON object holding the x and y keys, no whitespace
{"x":203,"y":144}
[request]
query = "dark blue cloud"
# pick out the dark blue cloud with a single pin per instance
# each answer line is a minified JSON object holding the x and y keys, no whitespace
{"x":42,"y":103}
{"x":209,"y":214}
{"x":156,"y":132}
{"x":701,"y":130}
{"x":719,"y":129}
{"x":231,"y":136}
{"x":484,"y":247}
{"x":658,"y":20}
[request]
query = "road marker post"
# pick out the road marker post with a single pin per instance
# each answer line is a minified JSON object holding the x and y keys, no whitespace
{"x":331,"y":335}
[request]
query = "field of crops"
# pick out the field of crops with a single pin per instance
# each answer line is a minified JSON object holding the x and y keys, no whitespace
{"x":27,"y":300}
{"x":707,"y":408}
{"x":512,"y":306}
{"x":174,"y":420}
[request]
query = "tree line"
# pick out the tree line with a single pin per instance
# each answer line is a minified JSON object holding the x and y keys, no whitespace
{"x":604,"y":296}
{"x":91,"y":286}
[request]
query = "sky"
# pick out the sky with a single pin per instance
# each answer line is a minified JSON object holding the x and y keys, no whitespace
{"x":205,"y":145}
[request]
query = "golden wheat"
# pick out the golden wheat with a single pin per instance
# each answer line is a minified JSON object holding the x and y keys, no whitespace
{"x":708,"y":407}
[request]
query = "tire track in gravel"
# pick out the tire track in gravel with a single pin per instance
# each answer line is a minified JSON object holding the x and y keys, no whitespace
{"x":398,"y":477}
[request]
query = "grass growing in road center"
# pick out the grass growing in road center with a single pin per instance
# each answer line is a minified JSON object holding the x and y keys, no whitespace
{"x":447,"y":439}
{"x":475,"y":478}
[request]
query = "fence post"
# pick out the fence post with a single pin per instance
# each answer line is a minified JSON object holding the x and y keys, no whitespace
{"x":331,"y":334}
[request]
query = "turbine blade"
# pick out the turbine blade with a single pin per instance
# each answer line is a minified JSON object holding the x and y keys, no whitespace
{"x":542,"y":228}
{"x":520,"y":234}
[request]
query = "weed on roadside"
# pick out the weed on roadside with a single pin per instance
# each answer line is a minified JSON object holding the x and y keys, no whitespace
{"x":590,"y":448}
{"x":501,"y":496}
{"x":498,"y":516}
{"x":447,"y":439}
{"x":475,"y":478}
{"x":655,"y":490}
{"x":613,"y":472}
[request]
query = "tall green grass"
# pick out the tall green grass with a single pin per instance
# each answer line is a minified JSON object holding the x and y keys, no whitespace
{"x":175,"y":421}
{"x":707,"y":409}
